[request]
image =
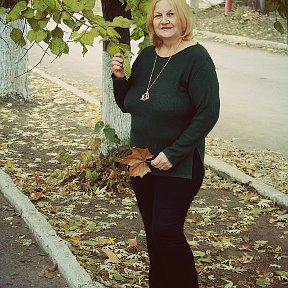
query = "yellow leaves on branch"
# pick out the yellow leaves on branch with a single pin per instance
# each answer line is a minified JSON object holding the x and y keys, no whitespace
{"x":137,"y":161}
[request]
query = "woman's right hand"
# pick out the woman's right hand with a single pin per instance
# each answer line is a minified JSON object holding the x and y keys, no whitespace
{"x":117,"y":65}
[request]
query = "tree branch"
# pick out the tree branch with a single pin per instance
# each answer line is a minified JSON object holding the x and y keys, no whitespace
{"x":29,"y":70}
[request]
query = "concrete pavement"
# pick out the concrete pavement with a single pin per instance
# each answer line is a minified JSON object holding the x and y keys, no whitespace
{"x":25,"y":260}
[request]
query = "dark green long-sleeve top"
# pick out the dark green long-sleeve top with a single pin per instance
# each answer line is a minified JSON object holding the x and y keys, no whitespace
{"x":182,"y":109}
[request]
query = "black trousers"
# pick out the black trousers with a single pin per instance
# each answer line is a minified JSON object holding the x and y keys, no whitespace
{"x":163,"y":203}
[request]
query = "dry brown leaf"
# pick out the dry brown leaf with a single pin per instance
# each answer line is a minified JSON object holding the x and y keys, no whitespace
{"x":46,"y":269}
{"x":38,"y":179}
{"x":112,"y":257}
{"x":132,"y":243}
{"x":245,"y":248}
{"x":35,"y":196}
{"x":112,"y":174}
{"x":136,"y":161}
{"x":9,"y":164}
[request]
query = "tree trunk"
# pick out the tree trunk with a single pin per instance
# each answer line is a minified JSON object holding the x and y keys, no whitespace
{"x":111,"y":114}
{"x":12,"y":86}
{"x":194,"y":4}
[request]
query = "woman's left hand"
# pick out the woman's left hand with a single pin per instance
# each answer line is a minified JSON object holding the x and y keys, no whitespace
{"x":161,"y":162}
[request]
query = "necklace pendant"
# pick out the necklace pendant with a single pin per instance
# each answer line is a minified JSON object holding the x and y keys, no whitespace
{"x":145,"y":96}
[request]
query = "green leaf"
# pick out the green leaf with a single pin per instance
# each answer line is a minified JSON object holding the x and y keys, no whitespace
{"x":205,"y":260}
{"x":87,"y":38}
{"x":90,"y":242}
{"x":118,"y":277}
{"x":127,"y":67}
{"x":57,"y":46}
{"x":110,"y":135}
{"x":229,"y":284}
{"x":66,"y":16}
{"x":98,"y":126}
{"x":91,"y":175}
{"x":91,"y":226}
{"x":137,"y":33}
{"x":128,"y":201}
{"x":279,"y":27}
{"x":282,"y":273}
{"x":109,"y":132}
{"x":84,"y":49}
{"x":99,"y":20}
{"x":69,"y":23}
{"x":14,"y":13}
{"x":17,"y":36}
{"x":112,"y":33}
{"x":89,"y":14}
{"x":38,"y":35}
{"x":33,"y":23}
{"x":198,"y":253}
{"x":74,"y":5}
{"x":41,"y":5}
{"x":113,"y":49}
{"x":8,"y":219}
{"x":28,"y":13}
{"x":262,"y":282}
{"x":57,"y":33}
{"x":72,"y":226}
{"x":31,"y":35}
{"x":57,"y":17}
{"x":122,"y":22}
{"x":261,"y":242}
{"x":3,"y":10}
{"x":43,"y":23}
{"x":89,"y":4}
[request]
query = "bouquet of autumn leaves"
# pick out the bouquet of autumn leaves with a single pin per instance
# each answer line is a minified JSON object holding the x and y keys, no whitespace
{"x":138,"y":161}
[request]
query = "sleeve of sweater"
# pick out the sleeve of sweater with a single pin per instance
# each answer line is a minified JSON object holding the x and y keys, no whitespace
{"x":203,"y":89}
{"x":120,"y":88}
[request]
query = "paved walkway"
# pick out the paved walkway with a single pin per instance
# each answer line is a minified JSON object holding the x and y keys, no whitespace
{"x":24,"y":260}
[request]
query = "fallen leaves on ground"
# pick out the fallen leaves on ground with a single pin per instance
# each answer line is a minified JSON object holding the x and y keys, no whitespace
{"x":242,"y":21}
{"x":267,"y":166}
{"x":238,"y":237}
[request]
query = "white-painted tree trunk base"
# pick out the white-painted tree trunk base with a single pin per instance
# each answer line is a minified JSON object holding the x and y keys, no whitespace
{"x":111,"y":114}
{"x":12,"y":86}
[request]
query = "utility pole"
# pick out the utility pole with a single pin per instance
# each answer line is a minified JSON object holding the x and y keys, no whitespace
{"x":228,"y":6}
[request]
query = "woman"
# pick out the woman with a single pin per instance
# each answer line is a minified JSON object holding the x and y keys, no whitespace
{"x":172,"y":96}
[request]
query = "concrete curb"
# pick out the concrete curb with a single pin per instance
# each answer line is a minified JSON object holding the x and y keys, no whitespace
{"x":53,"y":245}
{"x":227,"y":171}
{"x":241,"y":40}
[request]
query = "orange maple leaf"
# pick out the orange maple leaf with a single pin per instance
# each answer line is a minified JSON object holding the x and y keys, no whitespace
{"x":136,"y":161}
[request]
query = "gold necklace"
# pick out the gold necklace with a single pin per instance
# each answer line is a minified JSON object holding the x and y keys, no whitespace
{"x":146,"y":95}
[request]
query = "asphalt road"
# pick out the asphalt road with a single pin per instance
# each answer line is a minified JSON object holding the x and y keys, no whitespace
{"x":253,"y":87}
